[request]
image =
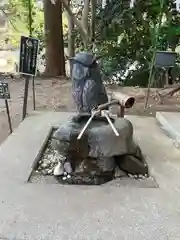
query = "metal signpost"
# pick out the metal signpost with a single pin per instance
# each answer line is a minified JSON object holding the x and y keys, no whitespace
{"x":5,"y":94}
{"x":28,"y":66}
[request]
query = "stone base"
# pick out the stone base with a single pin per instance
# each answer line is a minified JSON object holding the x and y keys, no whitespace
{"x":120,"y":209}
{"x":88,"y":171}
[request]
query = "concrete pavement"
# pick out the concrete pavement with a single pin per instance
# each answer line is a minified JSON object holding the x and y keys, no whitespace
{"x":111,"y":211}
{"x":170,"y":124}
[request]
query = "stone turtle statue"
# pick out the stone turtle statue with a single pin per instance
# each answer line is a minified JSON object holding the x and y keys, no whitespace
{"x":99,"y":151}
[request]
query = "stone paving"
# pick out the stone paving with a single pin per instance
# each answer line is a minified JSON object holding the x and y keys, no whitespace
{"x":54,"y":212}
{"x":171,"y":125}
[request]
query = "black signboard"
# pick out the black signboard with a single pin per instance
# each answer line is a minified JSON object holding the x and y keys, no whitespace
{"x":4,"y":91}
{"x":28,"y":56}
{"x":165,"y":59}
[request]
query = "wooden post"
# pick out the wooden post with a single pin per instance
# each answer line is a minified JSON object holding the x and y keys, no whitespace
{"x":8,"y":115}
{"x":5,"y":94}
{"x":34,"y":96}
{"x":26,"y":88}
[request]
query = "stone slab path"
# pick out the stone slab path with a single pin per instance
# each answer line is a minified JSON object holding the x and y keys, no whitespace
{"x":170,"y":123}
{"x":111,"y":211}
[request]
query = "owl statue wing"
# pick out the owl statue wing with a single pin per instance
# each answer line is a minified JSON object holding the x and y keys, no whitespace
{"x":90,"y":95}
{"x":77,"y":96}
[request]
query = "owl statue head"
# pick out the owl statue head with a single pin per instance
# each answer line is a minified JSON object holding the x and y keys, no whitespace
{"x":84,"y":66}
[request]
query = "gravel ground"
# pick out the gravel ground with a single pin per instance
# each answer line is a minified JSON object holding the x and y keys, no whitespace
{"x":50,"y":160}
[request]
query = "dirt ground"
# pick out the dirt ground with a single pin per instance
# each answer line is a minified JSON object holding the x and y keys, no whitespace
{"x":55,"y":95}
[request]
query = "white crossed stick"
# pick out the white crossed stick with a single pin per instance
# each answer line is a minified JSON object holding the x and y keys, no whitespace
{"x":104,"y":113}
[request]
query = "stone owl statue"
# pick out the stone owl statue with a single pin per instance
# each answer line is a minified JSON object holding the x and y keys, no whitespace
{"x":87,"y":86}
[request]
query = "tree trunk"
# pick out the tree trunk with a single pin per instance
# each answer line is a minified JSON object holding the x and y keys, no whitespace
{"x":71,"y":42}
{"x":71,"y":46}
{"x":55,"y":62}
{"x":85,"y":14}
{"x":93,"y":22}
{"x":76,"y":22}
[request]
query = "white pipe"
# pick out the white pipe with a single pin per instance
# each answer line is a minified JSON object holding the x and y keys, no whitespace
{"x":86,"y":125}
{"x":111,"y":124}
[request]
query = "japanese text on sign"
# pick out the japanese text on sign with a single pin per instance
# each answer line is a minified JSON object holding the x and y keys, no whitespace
{"x":28,"y":56}
{"x":4,"y":91}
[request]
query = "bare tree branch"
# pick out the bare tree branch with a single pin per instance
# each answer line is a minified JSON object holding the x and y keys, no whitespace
{"x":85,"y":13}
{"x":78,"y":23}
{"x":93,"y":19}
{"x":71,"y":49}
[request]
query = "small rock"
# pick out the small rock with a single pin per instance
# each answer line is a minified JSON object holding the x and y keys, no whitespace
{"x":176,"y":143}
{"x":46,"y":161}
{"x":67,"y":167}
{"x":141,"y":177}
{"x":44,"y":172}
{"x":44,"y":165}
{"x":119,"y":173}
{"x":59,"y":170}
{"x":52,"y":165}
{"x":62,"y":158}
{"x":50,"y":171}
{"x":130,"y":175}
{"x":54,"y":160}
